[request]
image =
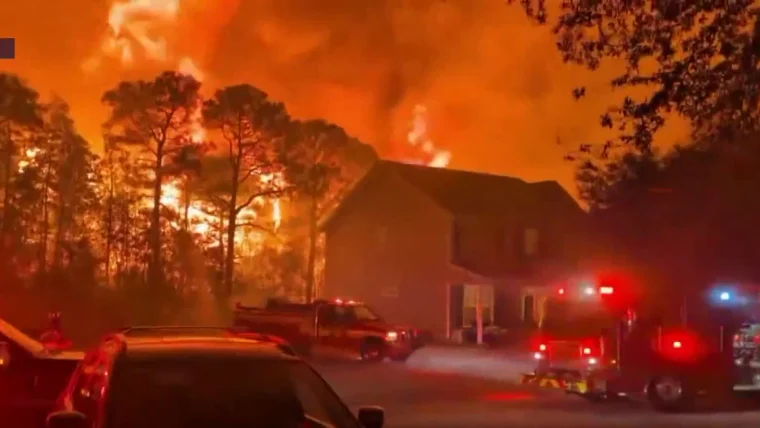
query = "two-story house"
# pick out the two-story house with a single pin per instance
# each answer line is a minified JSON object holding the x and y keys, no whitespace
{"x":423,"y":244}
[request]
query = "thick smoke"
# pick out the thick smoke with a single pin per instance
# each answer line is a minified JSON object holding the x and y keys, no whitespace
{"x":496,"y":90}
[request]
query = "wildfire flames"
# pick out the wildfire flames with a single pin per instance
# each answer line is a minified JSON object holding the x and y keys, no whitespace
{"x":137,"y":32}
{"x":419,"y":140}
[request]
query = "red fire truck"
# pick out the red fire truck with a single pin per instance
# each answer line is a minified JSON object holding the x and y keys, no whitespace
{"x":337,"y":328}
{"x":594,"y":342}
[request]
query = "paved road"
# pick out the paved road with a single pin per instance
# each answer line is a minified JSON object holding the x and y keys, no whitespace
{"x":428,"y":400}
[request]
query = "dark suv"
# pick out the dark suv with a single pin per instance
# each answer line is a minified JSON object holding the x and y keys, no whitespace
{"x":139,"y":379}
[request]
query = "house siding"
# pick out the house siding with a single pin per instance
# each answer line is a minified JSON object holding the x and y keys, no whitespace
{"x":391,"y":237}
{"x":496,"y":245}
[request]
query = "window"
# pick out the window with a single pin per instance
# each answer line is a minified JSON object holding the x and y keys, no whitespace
{"x":364,"y":313}
{"x":530,"y":242}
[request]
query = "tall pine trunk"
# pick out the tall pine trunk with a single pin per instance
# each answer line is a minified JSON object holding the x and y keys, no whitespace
{"x":155,"y":271}
{"x":312,"y":257}
{"x":7,"y":177}
{"x":229,"y":263}
{"x":45,"y":232}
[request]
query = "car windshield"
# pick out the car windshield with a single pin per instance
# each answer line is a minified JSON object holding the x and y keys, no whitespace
{"x":231,"y":392}
{"x":364,"y":313}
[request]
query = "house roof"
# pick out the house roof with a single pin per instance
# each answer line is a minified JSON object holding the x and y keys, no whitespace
{"x":464,"y":192}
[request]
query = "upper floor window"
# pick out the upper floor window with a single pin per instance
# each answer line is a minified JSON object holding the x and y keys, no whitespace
{"x":530,"y":242}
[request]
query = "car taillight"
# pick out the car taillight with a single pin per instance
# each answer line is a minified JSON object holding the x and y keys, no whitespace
{"x":677,"y":344}
{"x":586,"y":351}
{"x":756,"y":339}
{"x":542,"y":347}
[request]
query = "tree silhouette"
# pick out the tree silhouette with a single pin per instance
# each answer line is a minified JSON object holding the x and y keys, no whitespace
{"x":250,"y":127}
{"x":698,"y":59}
{"x":157,"y":118}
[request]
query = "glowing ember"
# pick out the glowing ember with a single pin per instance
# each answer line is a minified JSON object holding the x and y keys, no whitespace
{"x":24,"y":163}
{"x":418,"y":138}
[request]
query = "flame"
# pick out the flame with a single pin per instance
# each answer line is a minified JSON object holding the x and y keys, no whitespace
{"x":276,"y":209}
{"x":30,"y":155}
{"x":419,"y":139}
{"x":136,"y":31}
{"x":131,"y":25}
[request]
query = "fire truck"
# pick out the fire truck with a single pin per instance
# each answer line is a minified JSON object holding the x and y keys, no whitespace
{"x":337,"y":328}
{"x":597,"y":342}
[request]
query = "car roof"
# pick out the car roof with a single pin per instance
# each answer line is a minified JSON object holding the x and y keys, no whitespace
{"x":201,"y":346}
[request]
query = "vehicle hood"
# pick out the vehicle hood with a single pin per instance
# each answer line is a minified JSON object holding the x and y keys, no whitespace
{"x":63,"y":355}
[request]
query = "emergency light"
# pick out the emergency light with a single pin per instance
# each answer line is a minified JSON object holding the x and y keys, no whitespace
{"x":606,"y":290}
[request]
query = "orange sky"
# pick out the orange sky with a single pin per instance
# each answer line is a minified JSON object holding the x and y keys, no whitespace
{"x":497,"y":92}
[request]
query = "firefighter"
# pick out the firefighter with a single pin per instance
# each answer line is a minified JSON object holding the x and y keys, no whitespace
{"x":53,"y":337}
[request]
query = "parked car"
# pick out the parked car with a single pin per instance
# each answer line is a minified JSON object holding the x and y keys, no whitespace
{"x":172,"y":377}
{"x":334,"y":328}
{"x":31,"y":377}
{"x":194,"y":331}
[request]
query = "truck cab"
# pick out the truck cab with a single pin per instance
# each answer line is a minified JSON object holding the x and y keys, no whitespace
{"x":330,"y":328}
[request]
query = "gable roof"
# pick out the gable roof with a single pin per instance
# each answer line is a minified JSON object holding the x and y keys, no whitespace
{"x":465,"y":192}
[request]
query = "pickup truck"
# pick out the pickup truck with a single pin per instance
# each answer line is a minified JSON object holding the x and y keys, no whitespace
{"x":31,"y":377}
{"x":330,"y":328}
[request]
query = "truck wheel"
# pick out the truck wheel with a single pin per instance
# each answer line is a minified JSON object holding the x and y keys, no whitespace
{"x":669,"y":394}
{"x":371,"y":351}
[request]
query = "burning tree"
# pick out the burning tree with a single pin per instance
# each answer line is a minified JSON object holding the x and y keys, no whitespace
{"x":314,"y":159}
{"x":250,"y":127}
{"x":157,"y":118}
{"x":20,"y":112}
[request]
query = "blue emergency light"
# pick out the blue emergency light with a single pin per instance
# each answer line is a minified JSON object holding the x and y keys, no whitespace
{"x":726,"y":295}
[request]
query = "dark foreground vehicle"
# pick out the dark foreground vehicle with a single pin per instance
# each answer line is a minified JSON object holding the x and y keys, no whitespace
{"x":31,"y":377}
{"x":335,"y":328}
{"x":165,"y":380}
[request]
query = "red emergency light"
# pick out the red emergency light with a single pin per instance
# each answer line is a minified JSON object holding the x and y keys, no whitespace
{"x":561,"y":291}
{"x":606,"y":290}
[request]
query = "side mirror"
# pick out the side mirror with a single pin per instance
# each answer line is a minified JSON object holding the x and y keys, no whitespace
{"x":66,"y":419}
{"x":5,"y":355}
{"x":372,"y":417}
